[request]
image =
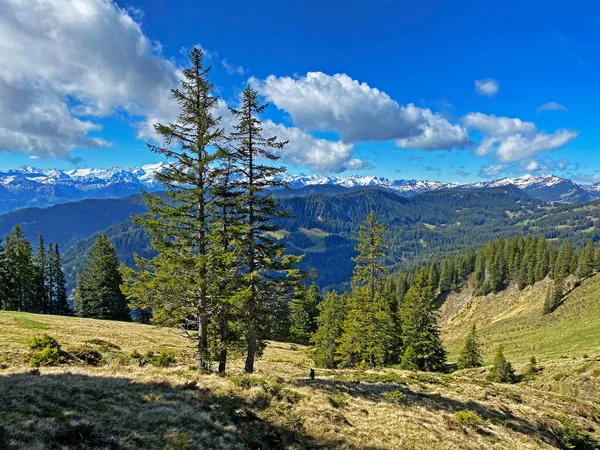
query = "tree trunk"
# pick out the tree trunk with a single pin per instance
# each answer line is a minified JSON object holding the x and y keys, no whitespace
{"x":202,"y":338}
{"x":249,"y":366}
{"x":224,"y":337}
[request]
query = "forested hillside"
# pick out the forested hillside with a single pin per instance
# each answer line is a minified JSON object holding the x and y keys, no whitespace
{"x":324,"y":226}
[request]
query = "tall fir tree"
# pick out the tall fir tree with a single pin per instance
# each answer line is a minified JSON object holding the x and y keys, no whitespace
{"x":268,"y":276}
{"x":98,"y":292}
{"x":423,"y":348}
{"x":330,"y":322}
{"x":586,"y":260}
{"x":178,"y":284}
{"x":368,"y":329}
{"x":56,"y":283}
{"x":41,"y":279}
{"x":20,"y":272}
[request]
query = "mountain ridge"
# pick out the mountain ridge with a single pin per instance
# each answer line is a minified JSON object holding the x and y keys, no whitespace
{"x":32,"y":187}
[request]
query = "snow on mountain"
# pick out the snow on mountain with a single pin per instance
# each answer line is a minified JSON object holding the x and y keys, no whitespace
{"x":31,"y":187}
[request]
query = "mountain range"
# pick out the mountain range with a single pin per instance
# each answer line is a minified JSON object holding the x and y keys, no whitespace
{"x":31,"y":187}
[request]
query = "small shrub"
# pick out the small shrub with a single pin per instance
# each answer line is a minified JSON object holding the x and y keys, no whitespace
{"x":247,"y":381}
{"x":165,"y":358}
{"x":4,"y":365}
{"x":49,"y":356}
{"x":468,"y":418}
{"x":574,"y":437}
{"x":178,"y":440}
{"x":560,"y":376}
{"x":337,"y":400}
{"x":41,"y":342}
{"x":395,"y":397}
{"x":290,"y":396}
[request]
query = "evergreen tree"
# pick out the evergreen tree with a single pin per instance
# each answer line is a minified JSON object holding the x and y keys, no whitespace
{"x":502,"y":370}
{"x":368,"y":328}
{"x":330,"y":321}
{"x":304,"y":312}
{"x":98,"y":292}
{"x":4,"y":277}
{"x":470,"y":355}
{"x":597,"y":260}
{"x":57,"y":285}
{"x":434,"y":275}
{"x":267,"y":274}
{"x":586,"y":260}
{"x":541,"y":260}
{"x":178,"y":283}
{"x":554,"y":295}
{"x":20,"y":272}
{"x":41,"y":266}
{"x":420,"y":334}
{"x":563,"y":260}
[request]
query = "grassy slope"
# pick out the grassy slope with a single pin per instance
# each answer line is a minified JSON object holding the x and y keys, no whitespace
{"x":565,"y":342}
{"x":178,"y":408}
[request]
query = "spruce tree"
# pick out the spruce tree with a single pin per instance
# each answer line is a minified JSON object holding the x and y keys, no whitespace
{"x":597,"y":259}
{"x":40,"y":264}
{"x":470,"y":355}
{"x":502,"y":370}
{"x":368,"y":328}
{"x":4,"y":277}
{"x":586,"y":260}
{"x":179,"y":284}
{"x":330,"y":321}
{"x":303,"y":314}
{"x":98,"y":292}
{"x":268,"y":276}
{"x":20,"y":272}
{"x":541,"y":260}
{"x":421,"y":338}
{"x":56,"y":282}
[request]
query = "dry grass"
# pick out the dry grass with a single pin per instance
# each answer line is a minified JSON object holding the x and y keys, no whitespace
{"x":132,"y":407}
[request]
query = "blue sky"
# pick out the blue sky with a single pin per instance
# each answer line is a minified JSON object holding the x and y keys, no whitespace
{"x":451,"y":91}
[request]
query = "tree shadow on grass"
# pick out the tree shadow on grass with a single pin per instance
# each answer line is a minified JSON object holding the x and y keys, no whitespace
{"x":92,"y":412}
{"x":376,"y":392}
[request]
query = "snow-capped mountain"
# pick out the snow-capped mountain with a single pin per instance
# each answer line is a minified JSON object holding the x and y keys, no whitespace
{"x":31,"y":187}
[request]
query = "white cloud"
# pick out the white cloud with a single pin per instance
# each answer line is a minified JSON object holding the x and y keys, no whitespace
{"x":437,"y":133}
{"x":358,"y":112}
{"x":64,"y":63}
{"x":512,"y":139}
{"x":232,"y":69}
{"x":551,"y":106}
{"x":487,"y":87}
{"x":491,"y":171}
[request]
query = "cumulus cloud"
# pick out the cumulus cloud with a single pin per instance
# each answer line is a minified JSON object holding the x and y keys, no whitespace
{"x":437,"y":133}
{"x":232,"y":69}
{"x":512,"y":139}
{"x":487,"y":87}
{"x":491,"y":171}
{"x":358,"y":112}
{"x":63,"y":64}
{"x":551,"y":106}
{"x":66,"y":64}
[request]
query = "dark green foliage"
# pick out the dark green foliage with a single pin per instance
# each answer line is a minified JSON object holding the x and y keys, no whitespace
{"x":555,"y":293}
{"x":87,"y":355}
{"x":166,"y":358}
{"x":573,"y":437}
{"x":41,"y":342}
{"x":502,"y":370}
{"x":395,"y":397}
{"x":330,"y":321}
{"x":468,"y":418}
{"x":420,"y":335}
{"x":586,"y":260}
{"x":48,"y":356}
{"x":98,"y":293}
{"x":303,"y":314}
{"x":29,"y":281}
{"x":368,"y":335}
{"x":470,"y":355}
{"x":532,"y":369}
